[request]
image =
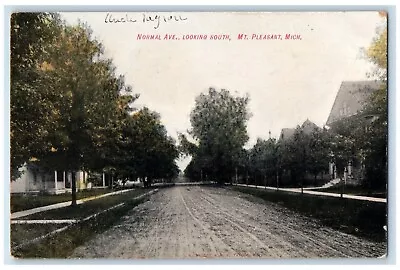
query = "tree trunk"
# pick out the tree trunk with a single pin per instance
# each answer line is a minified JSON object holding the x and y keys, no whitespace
{"x":73,"y":189}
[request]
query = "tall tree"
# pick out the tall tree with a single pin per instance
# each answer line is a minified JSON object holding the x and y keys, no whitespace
{"x":80,"y":93}
{"x":375,"y":139}
{"x":263,"y":160}
{"x":78,"y":75}
{"x":293,"y":156}
{"x":82,"y":112}
{"x":33,"y":112}
{"x":319,"y":152}
{"x":154,"y":152}
{"x":219,"y":126}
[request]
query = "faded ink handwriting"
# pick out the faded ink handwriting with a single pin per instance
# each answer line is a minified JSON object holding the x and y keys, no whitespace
{"x":154,"y":19}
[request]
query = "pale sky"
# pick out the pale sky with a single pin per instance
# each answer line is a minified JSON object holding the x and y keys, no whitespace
{"x":288,"y":80}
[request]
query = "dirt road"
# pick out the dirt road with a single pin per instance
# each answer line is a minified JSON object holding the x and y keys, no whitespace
{"x":207,"y":222}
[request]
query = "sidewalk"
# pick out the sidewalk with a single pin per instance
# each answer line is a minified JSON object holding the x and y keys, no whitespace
{"x":60,"y":205}
{"x":331,"y":183}
{"x":319,"y":193}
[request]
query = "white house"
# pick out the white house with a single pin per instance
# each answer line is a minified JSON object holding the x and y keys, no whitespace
{"x":33,"y":179}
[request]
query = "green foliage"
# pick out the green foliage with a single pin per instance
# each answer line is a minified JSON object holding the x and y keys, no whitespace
{"x":319,"y":152}
{"x":33,"y":113}
{"x":361,"y":218}
{"x":369,"y":128}
{"x":23,"y":202}
{"x":263,"y":160}
{"x":70,"y":111}
{"x":186,"y":147}
{"x":377,"y":52}
{"x":362,"y":138}
{"x":219,"y":127}
{"x":375,"y":139}
{"x":148,"y":150}
{"x":63,"y":244}
{"x":306,"y":152}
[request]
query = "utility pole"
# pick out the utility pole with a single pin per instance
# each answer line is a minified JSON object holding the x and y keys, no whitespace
{"x":236,"y":176}
{"x":265,"y":181}
{"x":277,"y":180}
{"x":343,"y":181}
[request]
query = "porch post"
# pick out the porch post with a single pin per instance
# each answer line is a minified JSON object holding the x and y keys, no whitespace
{"x":55,"y":180}
{"x":64,"y":179}
{"x":104,"y":180}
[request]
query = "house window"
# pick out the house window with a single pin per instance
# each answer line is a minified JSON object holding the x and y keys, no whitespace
{"x":34,"y":177}
{"x":345,"y":110}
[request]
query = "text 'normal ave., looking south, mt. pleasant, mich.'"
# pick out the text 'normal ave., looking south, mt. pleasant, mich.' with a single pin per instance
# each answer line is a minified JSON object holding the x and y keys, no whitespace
{"x":156,"y":21}
{"x":227,"y":37}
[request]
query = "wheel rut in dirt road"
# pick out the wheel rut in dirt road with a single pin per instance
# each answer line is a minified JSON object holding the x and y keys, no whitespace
{"x":208,"y":222}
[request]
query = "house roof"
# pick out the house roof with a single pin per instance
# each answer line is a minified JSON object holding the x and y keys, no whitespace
{"x":286,"y":133}
{"x":307,"y":127}
{"x":351,"y":98}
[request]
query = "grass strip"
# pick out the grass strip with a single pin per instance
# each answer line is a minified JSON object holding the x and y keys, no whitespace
{"x":362,"y":218}
{"x":19,"y":202}
{"x":21,"y":233}
{"x":85,"y":209}
{"x":62,"y":245}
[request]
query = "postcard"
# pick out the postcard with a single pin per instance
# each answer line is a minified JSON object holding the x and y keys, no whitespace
{"x":199,"y":135}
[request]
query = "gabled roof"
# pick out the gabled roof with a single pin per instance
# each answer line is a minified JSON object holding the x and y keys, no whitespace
{"x":351,"y":98}
{"x":308,"y":127}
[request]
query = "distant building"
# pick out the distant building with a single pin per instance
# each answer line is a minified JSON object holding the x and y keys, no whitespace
{"x":307,"y":127}
{"x":349,"y":102}
{"x":286,"y":133}
{"x":34,"y":179}
{"x":350,"y":99}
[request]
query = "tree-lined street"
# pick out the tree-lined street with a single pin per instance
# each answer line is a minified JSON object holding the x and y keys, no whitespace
{"x":76,"y":120}
{"x":204,"y":222}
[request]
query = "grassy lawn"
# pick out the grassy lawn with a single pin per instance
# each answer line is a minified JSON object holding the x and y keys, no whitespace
{"x":24,"y":202}
{"x":61,"y":245}
{"x":356,"y":190}
{"x":88,"y":208}
{"x":20,"y":233}
{"x":362,"y":218}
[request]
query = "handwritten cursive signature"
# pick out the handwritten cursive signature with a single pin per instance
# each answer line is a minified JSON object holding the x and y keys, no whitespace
{"x":156,"y":20}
